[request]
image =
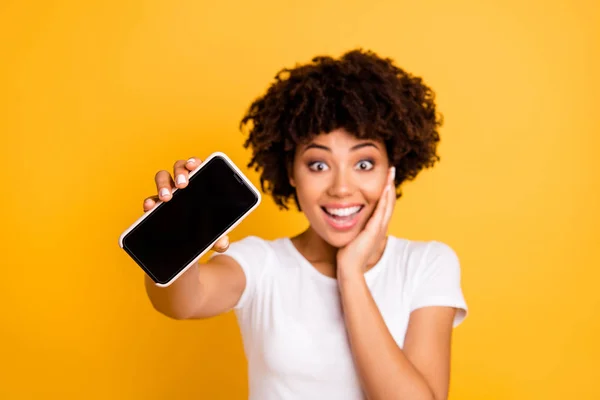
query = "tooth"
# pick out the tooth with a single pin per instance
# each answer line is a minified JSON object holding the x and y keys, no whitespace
{"x":343,"y":212}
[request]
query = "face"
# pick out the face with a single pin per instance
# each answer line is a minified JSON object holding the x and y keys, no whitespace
{"x":339,"y":180}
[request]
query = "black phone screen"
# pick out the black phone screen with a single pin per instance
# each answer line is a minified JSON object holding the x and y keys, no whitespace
{"x":178,"y":231}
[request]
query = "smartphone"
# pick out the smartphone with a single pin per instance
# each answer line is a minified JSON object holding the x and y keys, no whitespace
{"x":172,"y":236}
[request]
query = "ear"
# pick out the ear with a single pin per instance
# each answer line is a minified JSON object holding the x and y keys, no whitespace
{"x":290,"y":172}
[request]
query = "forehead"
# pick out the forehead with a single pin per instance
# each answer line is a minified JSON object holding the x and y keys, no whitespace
{"x":339,"y":139}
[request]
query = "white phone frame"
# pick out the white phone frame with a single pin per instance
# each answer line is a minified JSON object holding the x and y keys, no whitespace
{"x":208,"y":248}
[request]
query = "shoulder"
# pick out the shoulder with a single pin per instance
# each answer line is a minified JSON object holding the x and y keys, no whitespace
{"x":431,"y":272}
{"x":249,"y":242}
{"x":255,"y":243}
{"x":417,"y":256}
{"x":256,"y":252}
{"x":253,"y":247}
{"x":419,"y":247}
{"x":255,"y":256}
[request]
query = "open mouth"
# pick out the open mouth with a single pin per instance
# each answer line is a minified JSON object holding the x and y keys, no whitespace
{"x":342,"y":213}
{"x":342,"y":219}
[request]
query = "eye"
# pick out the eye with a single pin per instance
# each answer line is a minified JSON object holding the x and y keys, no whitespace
{"x":318,"y":166}
{"x":364,"y":165}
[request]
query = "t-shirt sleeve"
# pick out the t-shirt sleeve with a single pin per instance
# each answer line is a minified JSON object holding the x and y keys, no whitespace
{"x":251,"y":253}
{"x":437,"y":281}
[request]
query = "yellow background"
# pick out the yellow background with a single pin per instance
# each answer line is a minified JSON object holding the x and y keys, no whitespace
{"x":95,"y":97}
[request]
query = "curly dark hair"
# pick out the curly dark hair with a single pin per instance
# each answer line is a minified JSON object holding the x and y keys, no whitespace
{"x":361,"y":92}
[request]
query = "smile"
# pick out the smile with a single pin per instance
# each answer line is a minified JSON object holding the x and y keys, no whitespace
{"x":342,"y":218}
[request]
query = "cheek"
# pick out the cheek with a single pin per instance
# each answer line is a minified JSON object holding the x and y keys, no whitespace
{"x":309,"y":186}
{"x":373,"y":188}
{"x":309,"y":193}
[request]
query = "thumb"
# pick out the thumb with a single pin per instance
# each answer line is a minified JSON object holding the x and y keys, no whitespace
{"x":222,"y":244}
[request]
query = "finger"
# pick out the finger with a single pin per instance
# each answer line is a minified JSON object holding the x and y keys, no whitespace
{"x":150,"y":202}
{"x":389,"y":209}
{"x":192,"y":163}
{"x":380,"y":215}
{"x":391,"y":203}
{"x":222,"y":244}
{"x":164,"y":185}
{"x":181,"y":173}
{"x":388,"y":191}
{"x":385,"y":200}
{"x":374,"y":223}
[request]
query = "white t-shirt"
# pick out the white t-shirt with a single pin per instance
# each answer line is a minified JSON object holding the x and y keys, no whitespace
{"x":291,"y":320}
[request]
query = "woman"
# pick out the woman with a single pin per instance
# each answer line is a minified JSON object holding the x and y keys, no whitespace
{"x":342,"y":310}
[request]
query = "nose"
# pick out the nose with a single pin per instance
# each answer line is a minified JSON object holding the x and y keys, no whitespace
{"x":341,"y":184}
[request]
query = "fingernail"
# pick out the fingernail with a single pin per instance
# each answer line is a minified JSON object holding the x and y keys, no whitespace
{"x":180,"y":179}
{"x":148,"y":202}
{"x":164,"y":192}
{"x":191,"y":160}
{"x":393,"y":173}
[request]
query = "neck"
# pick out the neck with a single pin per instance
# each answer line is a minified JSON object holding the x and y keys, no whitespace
{"x":314,"y":248}
{"x":322,"y":254}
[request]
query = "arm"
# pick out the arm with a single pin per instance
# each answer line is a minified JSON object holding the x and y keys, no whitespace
{"x":421,"y":370}
{"x":203,"y":291}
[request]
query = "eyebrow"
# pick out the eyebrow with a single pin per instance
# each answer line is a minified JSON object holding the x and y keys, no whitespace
{"x":353,"y":148}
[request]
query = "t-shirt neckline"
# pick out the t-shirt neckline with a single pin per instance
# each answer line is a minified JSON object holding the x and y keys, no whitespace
{"x":369,"y":275}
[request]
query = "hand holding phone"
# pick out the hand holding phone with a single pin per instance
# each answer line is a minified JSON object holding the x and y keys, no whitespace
{"x":192,"y":214}
{"x":165,"y":184}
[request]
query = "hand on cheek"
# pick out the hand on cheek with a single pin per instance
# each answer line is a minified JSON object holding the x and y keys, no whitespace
{"x":360,"y":252}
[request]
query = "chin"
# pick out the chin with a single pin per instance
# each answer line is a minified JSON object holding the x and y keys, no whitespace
{"x":339,"y":239}
{"x":339,"y":231}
